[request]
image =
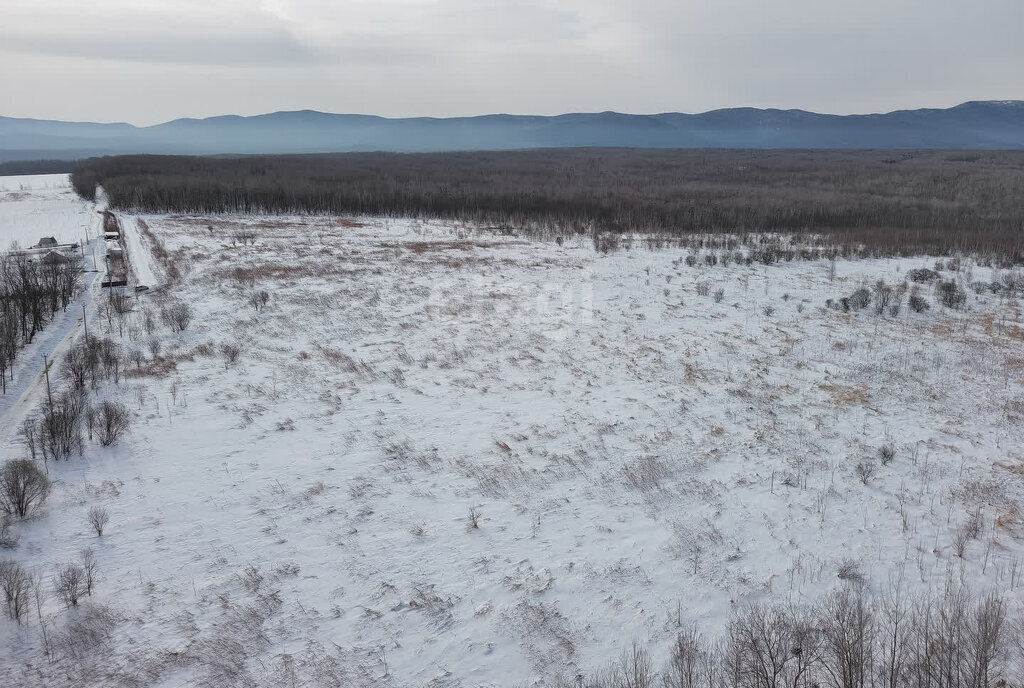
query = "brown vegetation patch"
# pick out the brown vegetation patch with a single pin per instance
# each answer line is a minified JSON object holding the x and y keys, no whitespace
{"x":162,"y":367}
{"x":846,"y":395}
{"x":455,"y":245}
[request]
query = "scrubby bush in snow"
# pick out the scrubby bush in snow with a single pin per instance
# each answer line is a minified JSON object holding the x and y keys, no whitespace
{"x":177,"y":316}
{"x":16,"y":586}
{"x":112,"y":420}
{"x":951,"y":295}
{"x":98,"y":518}
{"x":23,"y":487}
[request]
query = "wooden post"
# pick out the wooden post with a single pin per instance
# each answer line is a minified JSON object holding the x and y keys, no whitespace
{"x":46,"y":370}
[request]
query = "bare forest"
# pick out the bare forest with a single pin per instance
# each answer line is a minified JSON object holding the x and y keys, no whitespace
{"x":880,"y":203}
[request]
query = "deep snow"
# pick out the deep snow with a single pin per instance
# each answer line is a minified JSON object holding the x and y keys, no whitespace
{"x":638,"y":456}
{"x":35,"y":206}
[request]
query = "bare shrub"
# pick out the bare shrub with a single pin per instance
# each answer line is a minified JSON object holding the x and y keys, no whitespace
{"x":883,"y":294}
{"x":922,"y":275}
{"x":973,"y":525}
{"x":112,"y":420}
{"x":606,"y":242}
{"x":849,"y":570}
{"x":960,"y":540}
{"x":86,"y":632}
{"x":98,"y":518}
{"x":917,"y":303}
{"x":951,"y":295}
{"x":245,"y":237}
{"x":230,"y":353}
{"x":177,"y":316}
{"x":60,"y":426}
{"x":23,"y":487}
{"x":719,"y":295}
{"x":859,"y":299}
{"x":865,"y":471}
{"x":896,"y":304}
{"x":135,"y":356}
{"x":473,"y":521}
{"x":259,"y":300}
{"x":886,"y":453}
{"x":69,"y":584}
{"x":703,"y":288}
{"x":16,"y":584}
{"x":88,"y":570}
{"x":29,"y":432}
{"x":646,"y":473}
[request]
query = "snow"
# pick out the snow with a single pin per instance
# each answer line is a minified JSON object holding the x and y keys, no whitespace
{"x":637,"y":454}
{"x":140,"y":257}
{"x":34,"y":206}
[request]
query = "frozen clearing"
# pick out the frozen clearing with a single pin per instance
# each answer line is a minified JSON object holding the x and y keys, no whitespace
{"x":34,"y":206}
{"x":451,"y":458}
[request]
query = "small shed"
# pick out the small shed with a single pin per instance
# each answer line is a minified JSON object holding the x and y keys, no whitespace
{"x":46,"y":242}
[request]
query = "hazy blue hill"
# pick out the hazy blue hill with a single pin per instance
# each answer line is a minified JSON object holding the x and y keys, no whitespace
{"x":972,"y":125}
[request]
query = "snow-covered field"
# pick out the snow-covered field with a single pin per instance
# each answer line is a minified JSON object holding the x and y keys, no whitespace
{"x":450,"y":458}
{"x":34,"y":206}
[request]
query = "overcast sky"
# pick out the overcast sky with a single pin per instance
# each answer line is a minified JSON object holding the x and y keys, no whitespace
{"x":147,"y":61}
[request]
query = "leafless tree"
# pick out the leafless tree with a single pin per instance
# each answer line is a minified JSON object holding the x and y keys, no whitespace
{"x":8,"y":540}
{"x":230,"y":353}
{"x":69,"y":584}
{"x":16,"y":585}
{"x":985,"y":639}
{"x":112,"y":420}
{"x":30,"y":436}
{"x":23,"y":487}
{"x":689,"y":662}
{"x":635,"y":669}
{"x":98,"y":518}
{"x":60,"y":426}
{"x":177,"y":316}
{"x":259,"y":299}
{"x":848,"y":633}
{"x":88,"y":570}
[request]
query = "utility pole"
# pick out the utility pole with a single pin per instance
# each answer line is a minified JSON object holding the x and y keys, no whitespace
{"x":46,"y":369}
{"x":85,"y":322}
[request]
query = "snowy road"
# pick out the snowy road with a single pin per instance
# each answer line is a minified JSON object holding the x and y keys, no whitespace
{"x":140,"y":258}
{"x":29,"y":384}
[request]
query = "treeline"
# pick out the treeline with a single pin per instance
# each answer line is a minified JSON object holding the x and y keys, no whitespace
{"x":31,"y":291}
{"x":937,"y":202}
{"x":850,"y":640}
{"x":37,"y":167}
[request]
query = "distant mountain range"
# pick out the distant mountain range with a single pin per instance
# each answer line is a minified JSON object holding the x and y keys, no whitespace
{"x":985,"y":125}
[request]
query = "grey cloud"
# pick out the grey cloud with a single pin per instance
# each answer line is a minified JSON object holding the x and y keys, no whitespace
{"x":449,"y":57}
